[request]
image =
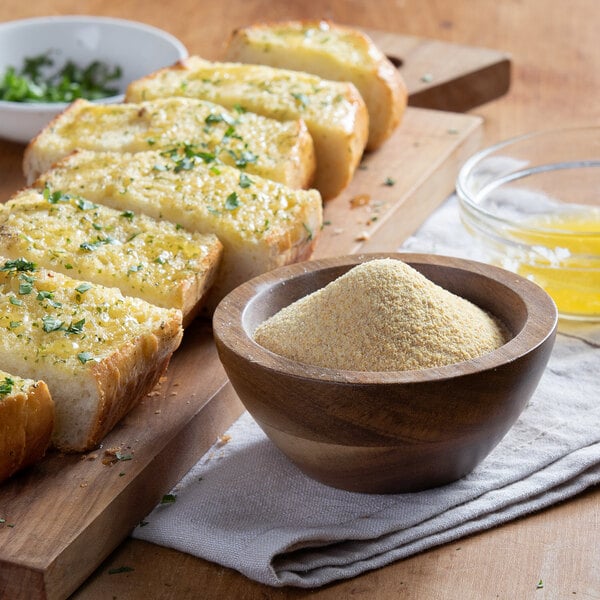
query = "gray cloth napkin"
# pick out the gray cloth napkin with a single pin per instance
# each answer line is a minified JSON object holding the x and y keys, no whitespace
{"x":245,"y":506}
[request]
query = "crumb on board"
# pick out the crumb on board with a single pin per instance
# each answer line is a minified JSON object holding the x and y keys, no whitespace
{"x":360,"y":200}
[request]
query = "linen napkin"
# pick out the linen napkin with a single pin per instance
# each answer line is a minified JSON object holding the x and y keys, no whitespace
{"x":245,"y":506}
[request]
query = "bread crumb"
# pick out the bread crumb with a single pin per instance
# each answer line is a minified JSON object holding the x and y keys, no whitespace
{"x":360,"y":200}
{"x":382,"y":315}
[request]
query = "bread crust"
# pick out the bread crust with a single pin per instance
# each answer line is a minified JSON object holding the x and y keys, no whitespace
{"x":26,"y":421}
{"x":276,"y":43}
{"x":123,"y":379}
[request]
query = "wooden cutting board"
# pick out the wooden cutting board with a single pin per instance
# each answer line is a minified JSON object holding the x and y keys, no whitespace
{"x":61,"y":518}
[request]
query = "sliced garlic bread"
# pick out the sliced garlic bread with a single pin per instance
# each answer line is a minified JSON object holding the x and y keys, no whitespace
{"x":334,"y":111}
{"x":333,"y":52}
{"x":261,"y":224}
{"x":98,"y":351}
{"x":26,"y":421}
{"x":282,"y":151}
{"x":155,"y":260}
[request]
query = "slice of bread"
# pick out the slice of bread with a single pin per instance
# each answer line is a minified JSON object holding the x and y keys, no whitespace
{"x":26,"y":421}
{"x":261,"y":224}
{"x":334,"y":52}
{"x":334,"y":111}
{"x":282,"y":151}
{"x":155,"y":260}
{"x":98,"y":351}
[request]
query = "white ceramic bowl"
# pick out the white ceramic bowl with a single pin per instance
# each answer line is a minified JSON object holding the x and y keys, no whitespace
{"x":137,"y":48}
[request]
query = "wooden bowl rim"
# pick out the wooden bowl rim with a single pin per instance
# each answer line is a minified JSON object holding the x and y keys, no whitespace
{"x":229,"y":328}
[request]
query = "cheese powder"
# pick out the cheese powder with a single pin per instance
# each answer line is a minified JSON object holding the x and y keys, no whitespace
{"x":382,"y":315}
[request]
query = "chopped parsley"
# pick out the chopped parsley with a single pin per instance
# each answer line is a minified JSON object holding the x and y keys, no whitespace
{"x":6,"y":386}
{"x":18,"y":265}
{"x":245,"y":181}
{"x":301,"y":99}
{"x":85,"y":357}
{"x":35,"y":81}
{"x":168,"y":499}
{"x":232,"y":201}
{"x":82,"y":288}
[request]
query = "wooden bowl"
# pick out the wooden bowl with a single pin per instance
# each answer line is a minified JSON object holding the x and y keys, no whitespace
{"x":395,"y":431}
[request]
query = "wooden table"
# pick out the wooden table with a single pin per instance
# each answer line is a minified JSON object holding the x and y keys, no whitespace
{"x":555,"y":82}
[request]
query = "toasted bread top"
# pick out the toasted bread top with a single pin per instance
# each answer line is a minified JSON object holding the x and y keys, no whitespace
{"x":57,"y":323}
{"x":142,"y":256}
{"x":332,"y":51}
{"x":334,"y":111}
{"x":282,"y":151}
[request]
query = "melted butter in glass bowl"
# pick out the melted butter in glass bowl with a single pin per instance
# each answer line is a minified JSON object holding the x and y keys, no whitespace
{"x":533,"y":203}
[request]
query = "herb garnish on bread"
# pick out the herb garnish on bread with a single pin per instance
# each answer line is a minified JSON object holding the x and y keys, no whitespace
{"x":282,"y":151}
{"x":334,"y":111}
{"x":261,"y":224}
{"x":98,"y":351}
{"x":331,"y":51}
{"x":155,"y":260}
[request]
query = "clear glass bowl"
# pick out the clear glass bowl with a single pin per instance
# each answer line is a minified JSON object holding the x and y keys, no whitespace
{"x":533,"y":205}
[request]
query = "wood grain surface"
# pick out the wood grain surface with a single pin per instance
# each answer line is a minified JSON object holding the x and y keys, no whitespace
{"x":555,"y":81}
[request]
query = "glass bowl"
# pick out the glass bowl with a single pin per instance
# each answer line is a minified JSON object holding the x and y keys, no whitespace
{"x":533,"y":205}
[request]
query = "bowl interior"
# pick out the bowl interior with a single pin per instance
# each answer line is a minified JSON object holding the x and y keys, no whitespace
{"x":508,"y":298}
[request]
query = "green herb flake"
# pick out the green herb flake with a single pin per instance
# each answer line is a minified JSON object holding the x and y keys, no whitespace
{"x":245,"y":181}
{"x":15,"y":301}
{"x":168,"y":499}
{"x":244,"y":158}
{"x":128,"y":214}
{"x":6,"y":387}
{"x":232,"y":201}
{"x":301,"y":99}
{"x":25,"y":287}
{"x":50,"y":323}
{"x":121,"y":456}
{"x":49,"y":297}
{"x":309,"y":231}
{"x":540,"y":585}
{"x":18,"y":265}
{"x":389,"y":181}
{"x":85,"y":357}
{"x":15,"y":324}
{"x":82,"y":288}
{"x":84,"y":204}
{"x":76,"y":327}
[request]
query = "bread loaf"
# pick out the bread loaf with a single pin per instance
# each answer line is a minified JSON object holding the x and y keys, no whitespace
{"x":282,"y":151}
{"x":334,"y":52}
{"x":155,"y":260}
{"x":261,"y":224}
{"x":334,"y":111}
{"x":26,"y":421}
{"x":98,"y":351}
